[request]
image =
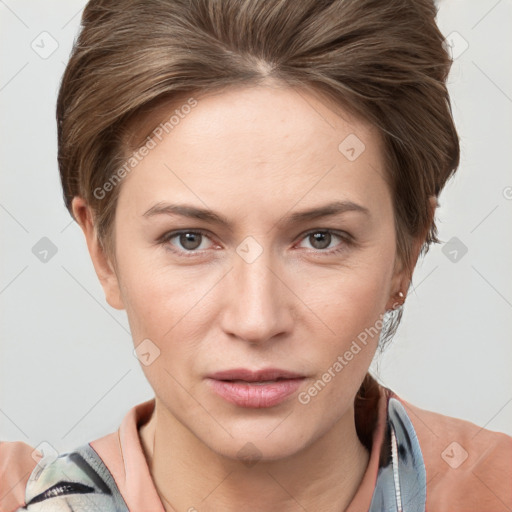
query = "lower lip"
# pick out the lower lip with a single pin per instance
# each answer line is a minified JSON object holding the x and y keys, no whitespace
{"x":256,"y":395}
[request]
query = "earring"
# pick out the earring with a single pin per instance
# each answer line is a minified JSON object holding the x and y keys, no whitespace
{"x":401,"y":302}
{"x":397,"y":305}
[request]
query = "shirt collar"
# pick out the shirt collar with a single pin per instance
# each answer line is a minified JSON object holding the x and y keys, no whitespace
{"x":385,"y":478}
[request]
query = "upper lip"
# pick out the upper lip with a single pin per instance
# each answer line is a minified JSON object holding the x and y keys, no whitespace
{"x":255,"y":375}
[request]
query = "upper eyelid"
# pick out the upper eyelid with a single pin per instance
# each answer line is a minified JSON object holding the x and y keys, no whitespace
{"x":166,"y":237}
{"x":172,"y":234}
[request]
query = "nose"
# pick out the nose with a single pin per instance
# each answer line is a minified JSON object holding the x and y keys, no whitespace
{"x":258,"y":306}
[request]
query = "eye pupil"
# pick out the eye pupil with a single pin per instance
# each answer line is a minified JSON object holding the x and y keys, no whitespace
{"x":187,"y":240}
{"x":322,"y":237}
{"x":191,"y":240}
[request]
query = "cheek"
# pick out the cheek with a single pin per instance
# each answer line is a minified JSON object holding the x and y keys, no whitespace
{"x":350,"y":298}
{"x":165,"y":303}
{"x":351,"y":303}
{"x":163,"y":309}
{"x":154,"y":302}
{"x":352,"y":312}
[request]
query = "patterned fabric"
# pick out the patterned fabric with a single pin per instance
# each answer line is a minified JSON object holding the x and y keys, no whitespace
{"x":77,"y":481}
{"x":401,"y":484}
{"x":80,"y":481}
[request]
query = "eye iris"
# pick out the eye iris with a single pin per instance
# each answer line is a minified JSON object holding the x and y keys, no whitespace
{"x":190,"y":240}
{"x":322,"y":237}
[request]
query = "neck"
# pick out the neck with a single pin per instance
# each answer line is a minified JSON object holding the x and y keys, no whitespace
{"x":188,"y":475}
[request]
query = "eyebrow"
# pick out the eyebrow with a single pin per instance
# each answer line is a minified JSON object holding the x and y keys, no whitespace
{"x":185,"y":210}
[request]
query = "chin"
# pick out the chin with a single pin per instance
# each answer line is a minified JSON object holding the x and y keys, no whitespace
{"x":259,"y":442}
{"x":256,"y":451}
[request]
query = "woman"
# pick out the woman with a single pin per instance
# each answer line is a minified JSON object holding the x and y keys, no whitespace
{"x":255,"y":182}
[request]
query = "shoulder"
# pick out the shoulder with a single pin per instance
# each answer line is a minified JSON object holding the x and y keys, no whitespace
{"x":92,"y":475}
{"x":75,"y":480}
{"x":468,"y":468}
{"x":17,"y":461}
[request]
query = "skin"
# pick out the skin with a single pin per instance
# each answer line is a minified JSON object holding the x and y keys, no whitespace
{"x":254,"y":155}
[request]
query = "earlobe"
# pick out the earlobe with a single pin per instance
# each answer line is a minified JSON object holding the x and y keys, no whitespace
{"x":402,"y":279}
{"x":100,"y":260}
{"x":396,"y":300}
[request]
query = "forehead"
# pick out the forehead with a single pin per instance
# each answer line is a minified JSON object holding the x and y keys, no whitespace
{"x":267,"y":121}
{"x":257,"y":141}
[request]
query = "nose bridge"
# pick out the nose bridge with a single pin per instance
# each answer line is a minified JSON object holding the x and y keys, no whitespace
{"x":256,"y":306}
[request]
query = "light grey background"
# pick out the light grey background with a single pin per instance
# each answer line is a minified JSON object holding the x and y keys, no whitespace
{"x":67,"y":371}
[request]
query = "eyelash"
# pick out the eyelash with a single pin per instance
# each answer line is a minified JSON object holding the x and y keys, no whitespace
{"x":165,"y":239}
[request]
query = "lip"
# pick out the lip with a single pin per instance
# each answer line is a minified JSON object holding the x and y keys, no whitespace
{"x":255,"y":375}
{"x":251,"y":389}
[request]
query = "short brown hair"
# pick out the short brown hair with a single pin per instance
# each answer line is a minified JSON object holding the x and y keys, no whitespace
{"x":383,"y":60}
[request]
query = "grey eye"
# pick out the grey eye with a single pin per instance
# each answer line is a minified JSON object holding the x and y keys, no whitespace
{"x":320,"y":240}
{"x":190,"y":241}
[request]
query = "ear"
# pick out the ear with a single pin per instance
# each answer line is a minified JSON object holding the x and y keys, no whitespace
{"x":401,"y":279}
{"x":102,"y":265}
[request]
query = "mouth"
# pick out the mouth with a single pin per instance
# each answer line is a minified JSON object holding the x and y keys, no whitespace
{"x":255,"y":389}
{"x":265,"y":375}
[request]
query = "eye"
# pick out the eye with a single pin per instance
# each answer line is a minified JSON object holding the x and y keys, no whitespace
{"x":193,"y":242}
{"x":321,"y":240}
{"x":186,"y":241}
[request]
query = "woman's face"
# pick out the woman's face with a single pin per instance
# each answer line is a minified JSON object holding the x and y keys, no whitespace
{"x":269,"y":286}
